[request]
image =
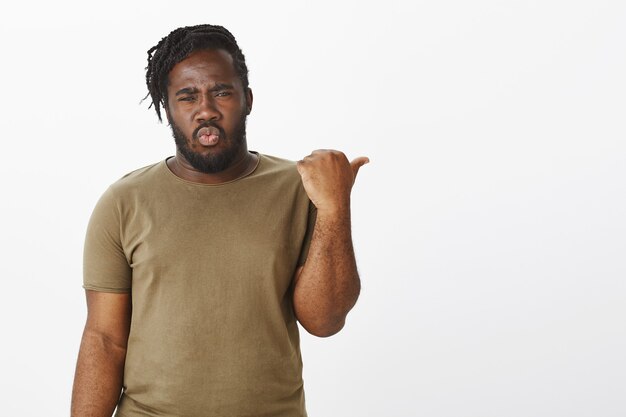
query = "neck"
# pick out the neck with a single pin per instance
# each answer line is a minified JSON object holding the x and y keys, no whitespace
{"x":241,"y":166}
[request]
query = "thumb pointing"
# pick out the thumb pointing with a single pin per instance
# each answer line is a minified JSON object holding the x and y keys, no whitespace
{"x":358,"y":163}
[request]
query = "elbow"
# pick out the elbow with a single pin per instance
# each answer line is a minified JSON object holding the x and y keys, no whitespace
{"x":324,"y":329}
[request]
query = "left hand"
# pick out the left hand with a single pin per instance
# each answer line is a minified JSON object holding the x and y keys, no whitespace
{"x":328,"y":178}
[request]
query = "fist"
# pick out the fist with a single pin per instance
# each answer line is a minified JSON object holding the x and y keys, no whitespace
{"x":328,"y":178}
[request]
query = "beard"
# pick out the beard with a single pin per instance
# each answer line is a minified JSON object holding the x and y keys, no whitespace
{"x":216,"y":160}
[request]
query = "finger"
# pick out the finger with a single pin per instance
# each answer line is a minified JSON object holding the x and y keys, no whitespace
{"x":358,"y":163}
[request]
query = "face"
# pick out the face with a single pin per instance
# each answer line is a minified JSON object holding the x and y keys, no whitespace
{"x":207,"y":109}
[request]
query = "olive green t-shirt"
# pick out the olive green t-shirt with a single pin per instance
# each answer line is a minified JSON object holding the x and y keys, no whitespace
{"x":210,"y":268}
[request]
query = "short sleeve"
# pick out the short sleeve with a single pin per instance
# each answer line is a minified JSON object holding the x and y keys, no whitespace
{"x":105,"y":267}
{"x":304,"y":251}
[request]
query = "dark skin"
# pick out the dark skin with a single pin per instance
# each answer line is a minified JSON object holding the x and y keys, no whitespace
{"x":100,"y":366}
{"x":205,"y":87}
{"x":328,"y":285}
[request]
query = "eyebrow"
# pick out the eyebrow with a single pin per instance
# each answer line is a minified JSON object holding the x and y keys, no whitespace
{"x":216,"y":87}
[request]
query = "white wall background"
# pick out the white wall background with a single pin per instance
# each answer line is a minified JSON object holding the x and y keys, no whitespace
{"x":489,"y":226}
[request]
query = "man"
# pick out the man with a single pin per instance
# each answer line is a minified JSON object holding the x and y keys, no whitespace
{"x":197,"y":268}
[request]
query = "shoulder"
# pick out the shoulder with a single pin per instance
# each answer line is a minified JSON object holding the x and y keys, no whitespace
{"x":128,"y":188}
{"x":137,"y":179}
{"x":280,"y":175}
{"x":270,"y":164}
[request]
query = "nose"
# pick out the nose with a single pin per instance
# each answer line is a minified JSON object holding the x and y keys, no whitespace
{"x":207,"y":110}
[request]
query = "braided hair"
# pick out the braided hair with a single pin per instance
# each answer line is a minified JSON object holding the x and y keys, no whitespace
{"x":177,"y":46}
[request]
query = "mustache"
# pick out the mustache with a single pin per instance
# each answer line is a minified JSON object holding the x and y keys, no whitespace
{"x":209,"y":124}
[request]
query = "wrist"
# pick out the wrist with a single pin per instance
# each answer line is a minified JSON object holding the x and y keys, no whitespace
{"x":337,"y":211}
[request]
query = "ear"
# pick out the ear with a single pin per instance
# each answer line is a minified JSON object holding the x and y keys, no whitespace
{"x":167,"y":113}
{"x":249,"y":99}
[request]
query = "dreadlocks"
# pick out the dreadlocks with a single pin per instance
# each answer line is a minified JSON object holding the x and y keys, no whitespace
{"x":177,"y":46}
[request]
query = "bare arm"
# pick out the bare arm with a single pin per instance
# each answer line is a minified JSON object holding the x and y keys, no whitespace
{"x":100,"y":367}
{"x":328,"y":285}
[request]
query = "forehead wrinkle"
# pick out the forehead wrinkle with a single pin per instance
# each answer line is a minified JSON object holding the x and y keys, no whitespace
{"x":219,"y":86}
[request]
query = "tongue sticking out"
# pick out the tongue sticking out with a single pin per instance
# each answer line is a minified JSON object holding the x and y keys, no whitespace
{"x":209,"y":136}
